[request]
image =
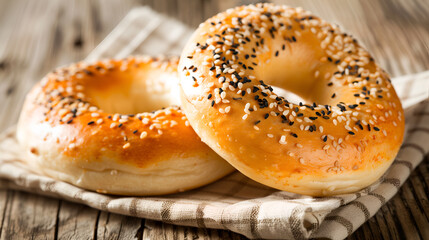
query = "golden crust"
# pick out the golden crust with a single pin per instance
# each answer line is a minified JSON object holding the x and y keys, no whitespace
{"x":348,"y":130}
{"x":69,"y":129}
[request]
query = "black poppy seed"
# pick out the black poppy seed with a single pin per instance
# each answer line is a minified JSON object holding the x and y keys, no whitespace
{"x":239,"y":98}
{"x":353,"y":106}
{"x":296,"y":109}
{"x":318,"y":114}
{"x":294,"y":135}
{"x":256,"y":123}
{"x":194,"y":70}
{"x":246,"y":56}
{"x":255,"y":89}
{"x":136,"y":131}
{"x":283,"y":47}
{"x":376,"y":128}
{"x":325,"y":138}
{"x":266,"y":116}
{"x":88,"y":72}
{"x":209,"y":96}
{"x":243,"y":93}
{"x":213,"y":102}
{"x":69,"y":121}
{"x":351,"y":133}
{"x":362,"y":103}
{"x":120,"y":125}
{"x":330,"y":59}
{"x":356,"y":94}
{"x":379,"y":96}
{"x":256,"y":97}
{"x":249,"y":67}
{"x":333,"y":95}
{"x":338,"y":61}
{"x":293,"y":38}
{"x":342,"y":108}
{"x":330,"y":84}
{"x":300,"y":115}
{"x":369,"y":127}
{"x":190,"y":57}
{"x":109,"y":117}
{"x":277,"y":53}
{"x":313,"y":118}
{"x":92,"y":122}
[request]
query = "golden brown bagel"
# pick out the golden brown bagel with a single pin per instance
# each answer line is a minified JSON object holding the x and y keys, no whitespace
{"x":90,"y":125}
{"x":344,"y":135}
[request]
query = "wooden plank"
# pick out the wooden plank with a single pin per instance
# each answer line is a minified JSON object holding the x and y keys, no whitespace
{"x":410,"y":199}
{"x":160,"y":230}
{"x":4,"y":198}
{"x":29,"y":216}
{"x":114,"y":226}
{"x":77,"y":221}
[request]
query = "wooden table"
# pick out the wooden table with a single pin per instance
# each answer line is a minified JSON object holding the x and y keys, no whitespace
{"x":36,"y":36}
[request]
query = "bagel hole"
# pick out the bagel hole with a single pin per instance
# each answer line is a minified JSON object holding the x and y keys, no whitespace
{"x":288,"y":95}
{"x":132,"y":93}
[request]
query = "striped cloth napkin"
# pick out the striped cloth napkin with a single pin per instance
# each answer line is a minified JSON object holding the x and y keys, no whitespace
{"x":235,"y":202}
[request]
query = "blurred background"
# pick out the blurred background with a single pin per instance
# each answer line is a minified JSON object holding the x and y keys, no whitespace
{"x":37,"y":36}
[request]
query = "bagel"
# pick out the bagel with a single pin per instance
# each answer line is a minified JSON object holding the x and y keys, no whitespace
{"x":340,"y":138}
{"x":102,"y":127}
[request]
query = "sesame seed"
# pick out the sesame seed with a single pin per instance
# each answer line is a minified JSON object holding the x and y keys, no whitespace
{"x":283,"y":140}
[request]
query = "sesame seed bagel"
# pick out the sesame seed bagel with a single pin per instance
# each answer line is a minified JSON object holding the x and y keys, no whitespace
{"x":102,"y":127}
{"x":340,"y":138}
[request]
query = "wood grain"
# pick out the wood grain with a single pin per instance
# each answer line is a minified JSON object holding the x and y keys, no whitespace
{"x":37,"y":36}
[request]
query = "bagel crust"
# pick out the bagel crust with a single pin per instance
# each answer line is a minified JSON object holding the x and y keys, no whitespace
{"x":341,"y":138}
{"x":70,"y":130}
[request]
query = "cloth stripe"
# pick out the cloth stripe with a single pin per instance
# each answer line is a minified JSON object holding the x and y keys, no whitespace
{"x":404,"y":163}
{"x":234,"y":202}
{"x":254,"y":221}
{"x":380,"y":197}
{"x":362,"y":207}
{"x":343,"y":221}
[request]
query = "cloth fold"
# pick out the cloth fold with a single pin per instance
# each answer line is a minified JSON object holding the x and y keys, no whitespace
{"x":235,"y":202}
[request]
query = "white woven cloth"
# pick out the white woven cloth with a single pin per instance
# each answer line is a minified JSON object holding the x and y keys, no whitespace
{"x":234,"y":202}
